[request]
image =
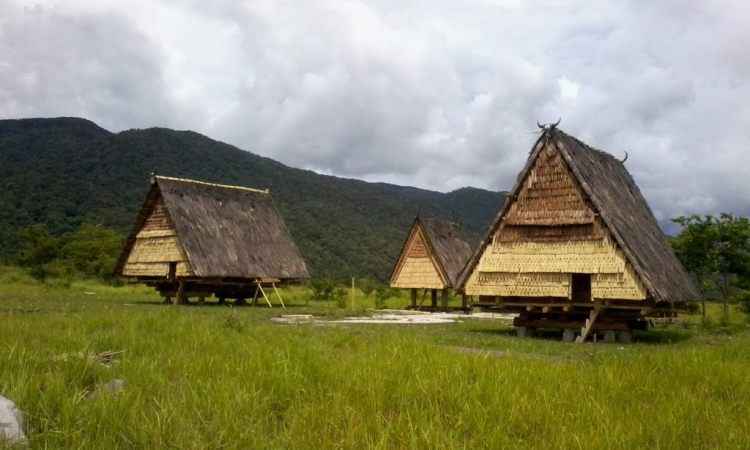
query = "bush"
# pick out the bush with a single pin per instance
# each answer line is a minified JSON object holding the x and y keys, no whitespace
{"x":322,"y":289}
{"x":743,"y":300}
{"x":339,"y":295}
{"x":368,"y":286}
{"x":90,"y":251}
{"x":383,"y":293}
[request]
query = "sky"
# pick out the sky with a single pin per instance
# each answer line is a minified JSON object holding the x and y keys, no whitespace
{"x":435,"y":94}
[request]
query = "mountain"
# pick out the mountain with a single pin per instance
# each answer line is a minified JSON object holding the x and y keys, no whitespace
{"x":65,"y":171}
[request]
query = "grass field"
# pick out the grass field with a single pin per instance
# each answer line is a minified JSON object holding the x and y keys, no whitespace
{"x":203,"y":377}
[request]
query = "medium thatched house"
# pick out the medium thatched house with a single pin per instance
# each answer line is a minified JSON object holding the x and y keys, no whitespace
{"x":576,"y":246}
{"x":431,"y":258}
{"x":193,"y":238}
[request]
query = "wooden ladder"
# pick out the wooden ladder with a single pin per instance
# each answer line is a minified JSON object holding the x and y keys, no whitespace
{"x":586,"y":330}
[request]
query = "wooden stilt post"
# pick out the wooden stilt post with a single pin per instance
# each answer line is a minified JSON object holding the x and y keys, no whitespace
{"x":464,"y":302}
{"x":433,"y":298}
{"x":180,"y":298}
{"x":413,"y":298}
{"x":444,"y":299}
{"x":421,"y":301}
{"x":265,"y":296}
{"x":586,"y":330}
{"x":278,"y":295}
{"x":255,"y":295}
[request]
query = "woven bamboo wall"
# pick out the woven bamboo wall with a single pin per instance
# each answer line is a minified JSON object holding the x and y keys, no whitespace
{"x":548,"y":233}
{"x":417,"y":267}
{"x":549,"y":195}
{"x":519,"y":284}
{"x":529,"y":269}
{"x":418,"y":273}
{"x":156,"y":245}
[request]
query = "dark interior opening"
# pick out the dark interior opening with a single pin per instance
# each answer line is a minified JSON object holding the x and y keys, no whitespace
{"x":581,"y":288}
{"x":172,"y":270}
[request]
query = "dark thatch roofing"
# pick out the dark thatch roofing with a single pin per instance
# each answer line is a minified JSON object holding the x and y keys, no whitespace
{"x":229,"y":231}
{"x":623,"y":209}
{"x":445,"y":244}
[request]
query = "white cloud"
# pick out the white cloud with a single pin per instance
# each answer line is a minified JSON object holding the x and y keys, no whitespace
{"x":436,"y":94}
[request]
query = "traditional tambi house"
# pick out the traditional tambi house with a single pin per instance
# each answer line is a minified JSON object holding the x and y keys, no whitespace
{"x":576,"y":247}
{"x":431,"y":259}
{"x":193,"y":238}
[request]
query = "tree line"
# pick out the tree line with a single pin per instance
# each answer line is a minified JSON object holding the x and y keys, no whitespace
{"x":714,"y":249}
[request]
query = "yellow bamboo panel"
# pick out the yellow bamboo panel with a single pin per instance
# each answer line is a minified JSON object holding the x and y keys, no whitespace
{"x":418,"y":273}
{"x":505,"y":269}
{"x":161,"y":249}
{"x":144,"y":234}
{"x":519,"y":284}
{"x":597,"y":256}
{"x":624,"y":285}
{"x":158,"y":269}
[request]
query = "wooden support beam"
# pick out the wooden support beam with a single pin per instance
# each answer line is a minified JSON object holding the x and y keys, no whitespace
{"x":433,"y":298}
{"x":421,"y":301}
{"x":414,"y":298}
{"x":180,"y":297}
{"x":278,"y":295}
{"x":588,"y":326}
{"x":265,"y":296}
{"x":255,"y":295}
{"x":444,"y":299}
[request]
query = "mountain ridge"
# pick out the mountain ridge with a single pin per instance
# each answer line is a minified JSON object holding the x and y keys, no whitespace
{"x":65,"y":171}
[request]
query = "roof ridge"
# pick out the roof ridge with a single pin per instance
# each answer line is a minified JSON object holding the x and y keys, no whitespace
{"x":206,"y":183}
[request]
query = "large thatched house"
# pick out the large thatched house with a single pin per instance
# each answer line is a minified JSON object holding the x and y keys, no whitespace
{"x":193,"y":238}
{"x":576,"y":246}
{"x":431,"y":258}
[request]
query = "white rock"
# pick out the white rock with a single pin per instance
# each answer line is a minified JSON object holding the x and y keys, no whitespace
{"x":11,"y":422}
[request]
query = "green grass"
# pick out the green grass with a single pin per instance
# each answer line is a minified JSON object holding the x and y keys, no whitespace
{"x":221,"y":377}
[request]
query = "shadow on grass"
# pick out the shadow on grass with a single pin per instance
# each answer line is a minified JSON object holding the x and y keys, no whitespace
{"x":661,"y":336}
{"x":216,"y":304}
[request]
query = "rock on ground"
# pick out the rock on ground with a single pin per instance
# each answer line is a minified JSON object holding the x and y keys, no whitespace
{"x":11,"y":422}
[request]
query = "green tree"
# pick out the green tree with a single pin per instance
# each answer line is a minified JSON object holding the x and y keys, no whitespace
{"x":91,"y":251}
{"x":716,"y":250}
{"x":37,"y":250}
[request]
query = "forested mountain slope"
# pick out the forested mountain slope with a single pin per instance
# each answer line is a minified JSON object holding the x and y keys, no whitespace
{"x":65,"y":171}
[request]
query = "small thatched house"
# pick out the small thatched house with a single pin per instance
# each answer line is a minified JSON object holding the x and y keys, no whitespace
{"x":431,"y":258}
{"x":193,"y":238}
{"x":576,"y":246}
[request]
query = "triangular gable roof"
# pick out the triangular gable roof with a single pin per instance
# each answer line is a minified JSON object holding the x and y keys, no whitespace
{"x":225,"y":231}
{"x":621,"y":207}
{"x":445,"y":247}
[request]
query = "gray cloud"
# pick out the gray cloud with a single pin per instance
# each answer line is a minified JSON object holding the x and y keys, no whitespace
{"x":433,"y":94}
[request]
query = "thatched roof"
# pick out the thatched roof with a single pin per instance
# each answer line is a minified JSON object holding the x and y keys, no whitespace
{"x":622,"y":208}
{"x":226,"y":231}
{"x":445,"y":244}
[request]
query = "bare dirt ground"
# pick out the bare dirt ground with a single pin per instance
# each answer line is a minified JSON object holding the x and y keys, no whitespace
{"x":395,"y":317}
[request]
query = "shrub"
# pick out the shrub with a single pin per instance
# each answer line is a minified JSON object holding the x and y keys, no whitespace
{"x":383,"y":293}
{"x":368,"y":285}
{"x":339,"y":295}
{"x":322,"y":288}
{"x":743,"y":301}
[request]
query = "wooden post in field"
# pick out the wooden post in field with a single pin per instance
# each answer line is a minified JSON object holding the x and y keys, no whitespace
{"x":180,"y":297}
